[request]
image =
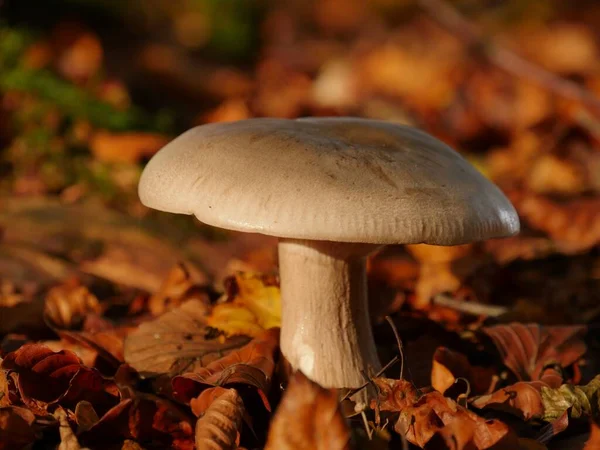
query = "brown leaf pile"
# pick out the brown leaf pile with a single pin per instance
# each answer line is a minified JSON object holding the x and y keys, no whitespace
{"x":109,"y":341}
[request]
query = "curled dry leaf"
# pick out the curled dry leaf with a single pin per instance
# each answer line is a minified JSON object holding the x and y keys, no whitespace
{"x":394,"y":395}
{"x":308,"y":418}
{"x":537,"y":400}
{"x":46,"y":377}
{"x":255,"y":306}
{"x":527,"y":349}
{"x":220,"y":426}
{"x":143,"y":417}
{"x":449,"y":365}
{"x":251,"y":365}
{"x":579,"y":401}
{"x":68,"y":303}
{"x":176,"y":342}
{"x":433,"y":413}
{"x":522,"y":399}
{"x":171,"y":291}
{"x":17,"y":428}
{"x":68,"y":440}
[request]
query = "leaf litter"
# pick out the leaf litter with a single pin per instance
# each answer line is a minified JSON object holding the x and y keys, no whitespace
{"x":123,"y":329}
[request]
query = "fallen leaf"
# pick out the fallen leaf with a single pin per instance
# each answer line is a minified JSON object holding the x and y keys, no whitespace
{"x":143,"y":418}
{"x":522,"y":399}
{"x":573,"y":221}
{"x":442,"y":269}
{"x":527,"y":349}
{"x":9,"y":390}
{"x":578,"y":401}
{"x":68,"y":303}
{"x":394,"y":395}
{"x":433,"y":413}
{"x":308,"y":417}
{"x":43,"y":375}
{"x":251,"y":365}
{"x":176,"y":342}
{"x":200,"y":404}
{"x":254,"y":307}
{"x":68,"y":440}
{"x":85,"y":416}
{"x":171,"y":291}
{"x":537,"y":400}
{"x":46,"y":377}
{"x":449,"y":365}
{"x":17,"y":428}
{"x":220,"y":425}
{"x":125,"y":147}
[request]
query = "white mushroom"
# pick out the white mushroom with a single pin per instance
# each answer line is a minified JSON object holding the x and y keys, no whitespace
{"x":333,"y":190}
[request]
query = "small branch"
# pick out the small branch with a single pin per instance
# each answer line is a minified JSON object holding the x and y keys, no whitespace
{"x":505,"y":59}
{"x":351,"y":392}
{"x":398,"y":342}
{"x":475,"y":309}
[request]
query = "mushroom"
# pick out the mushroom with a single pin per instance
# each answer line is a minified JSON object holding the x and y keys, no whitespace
{"x":333,"y":190}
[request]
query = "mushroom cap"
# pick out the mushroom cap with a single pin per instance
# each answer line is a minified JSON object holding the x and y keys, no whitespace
{"x":330,"y":179}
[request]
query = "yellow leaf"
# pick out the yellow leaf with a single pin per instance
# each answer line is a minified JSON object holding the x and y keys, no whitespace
{"x":263,"y":301}
{"x":255,"y":307}
{"x":234,"y":320}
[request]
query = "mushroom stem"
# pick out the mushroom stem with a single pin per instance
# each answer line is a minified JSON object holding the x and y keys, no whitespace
{"x":326,"y":332}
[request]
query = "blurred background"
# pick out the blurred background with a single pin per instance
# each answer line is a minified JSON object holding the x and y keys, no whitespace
{"x":90,"y":89}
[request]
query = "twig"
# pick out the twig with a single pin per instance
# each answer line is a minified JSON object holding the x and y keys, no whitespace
{"x":505,"y":59}
{"x":398,"y":342}
{"x":366,"y":424}
{"x":350,"y":393}
{"x":475,"y":309}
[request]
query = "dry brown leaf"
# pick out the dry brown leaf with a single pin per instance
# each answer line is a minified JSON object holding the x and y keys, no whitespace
{"x":537,"y":400}
{"x":68,"y":440}
{"x":172,"y":290}
{"x":394,"y":395}
{"x":68,"y":303}
{"x":46,"y":378}
{"x":308,"y":417}
{"x":434,"y":413}
{"x":144,"y":417}
{"x":522,"y":399}
{"x":575,"y":222}
{"x":17,"y":428}
{"x":251,"y":365}
{"x":441,"y":269}
{"x":449,"y":365}
{"x":527,"y":349}
{"x":220,"y":425}
{"x":85,"y":416}
{"x":9,"y":389}
{"x":125,"y":147}
{"x":176,"y":342}
{"x":421,"y":73}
